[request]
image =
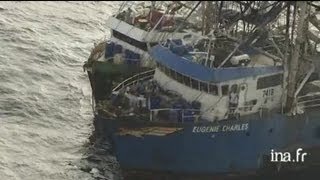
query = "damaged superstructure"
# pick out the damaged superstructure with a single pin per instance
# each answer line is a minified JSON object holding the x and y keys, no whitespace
{"x":245,"y":74}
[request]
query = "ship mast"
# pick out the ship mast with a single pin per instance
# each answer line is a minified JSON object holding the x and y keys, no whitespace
{"x":208,"y":17}
{"x":296,"y":55}
{"x":287,"y":51}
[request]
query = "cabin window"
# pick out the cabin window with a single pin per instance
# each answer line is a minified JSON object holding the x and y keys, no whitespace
{"x":179,"y":78}
{"x":195,"y":84}
{"x":234,"y":88}
{"x":166,"y":71}
{"x":153,"y":44}
{"x":225,"y":90}
{"x":269,"y":81}
{"x":173,"y":74}
{"x":213,"y":89}
{"x":204,"y":86}
{"x":129,"y":40}
{"x":161,"y":67}
{"x":186,"y":80}
{"x":243,"y":87}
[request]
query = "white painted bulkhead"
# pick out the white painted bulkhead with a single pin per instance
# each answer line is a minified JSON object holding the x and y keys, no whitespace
{"x":215,"y":107}
{"x":140,"y":34}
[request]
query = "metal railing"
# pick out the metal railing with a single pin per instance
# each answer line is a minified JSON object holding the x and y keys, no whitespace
{"x":132,"y":80}
{"x":312,"y":100}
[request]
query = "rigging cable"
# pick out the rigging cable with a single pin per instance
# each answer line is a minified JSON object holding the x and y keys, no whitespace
{"x":187,"y":17}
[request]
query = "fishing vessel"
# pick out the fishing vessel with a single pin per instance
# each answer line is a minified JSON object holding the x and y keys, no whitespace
{"x":134,"y":29}
{"x":217,"y":102}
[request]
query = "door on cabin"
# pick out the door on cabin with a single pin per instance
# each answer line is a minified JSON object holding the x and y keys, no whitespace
{"x":233,"y":99}
{"x":243,"y":92}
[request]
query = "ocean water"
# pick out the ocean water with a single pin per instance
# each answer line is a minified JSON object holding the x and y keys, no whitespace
{"x":45,"y":97}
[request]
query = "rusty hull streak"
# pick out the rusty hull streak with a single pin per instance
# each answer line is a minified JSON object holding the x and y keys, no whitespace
{"x":155,"y":131}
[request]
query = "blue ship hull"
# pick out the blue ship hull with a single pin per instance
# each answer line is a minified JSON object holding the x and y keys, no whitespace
{"x":231,"y":146}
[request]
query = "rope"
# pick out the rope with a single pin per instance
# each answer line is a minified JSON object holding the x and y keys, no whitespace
{"x":187,"y":16}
